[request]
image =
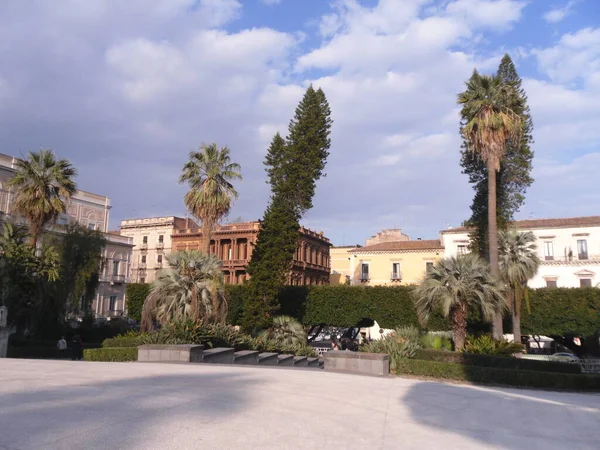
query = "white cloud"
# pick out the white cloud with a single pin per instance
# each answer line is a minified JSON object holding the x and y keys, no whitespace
{"x":558,"y":14}
{"x":491,"y":13}
{"x":270,"y":2}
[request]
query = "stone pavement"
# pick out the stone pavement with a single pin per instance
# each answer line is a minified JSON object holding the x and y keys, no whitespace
{"x":88,"y":405}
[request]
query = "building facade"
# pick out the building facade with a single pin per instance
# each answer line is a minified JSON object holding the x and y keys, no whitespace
{"x":233,"y":244}
{"x":569,"y":249}
{"x":151,"y":239}
{"x":340,"y":264}
{"x":91,"y":211}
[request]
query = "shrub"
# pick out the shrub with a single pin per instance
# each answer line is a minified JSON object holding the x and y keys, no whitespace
{"x":286,"y":330}
{"x":493,"y":375}
{"x":129,"y":339}
{"x":501,"y":362}
{"x":486,"y":345}
{"x":110,"y":354}
{"x":136,"y":294}
{"x":436,"y":341}
{"x":402,"y":343}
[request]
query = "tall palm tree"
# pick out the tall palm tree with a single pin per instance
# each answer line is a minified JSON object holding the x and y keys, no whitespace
{"x":454,"y":285}
{"x":42,"y":187}
{"x":519,"y":263}
{"x":489,"y":124}
{"x":209,"y":173}
{"x":192,"y":287}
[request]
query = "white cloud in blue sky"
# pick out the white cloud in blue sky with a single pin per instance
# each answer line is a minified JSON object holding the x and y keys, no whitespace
{"x":126,"y":91}
{"x":558,"y":14}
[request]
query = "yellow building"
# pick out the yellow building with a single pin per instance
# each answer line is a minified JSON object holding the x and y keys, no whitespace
{"x":387,"y":263}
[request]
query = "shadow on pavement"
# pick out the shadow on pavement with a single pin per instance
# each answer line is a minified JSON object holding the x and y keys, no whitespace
{"x":116,"y":413}
{"x":508,"y":418}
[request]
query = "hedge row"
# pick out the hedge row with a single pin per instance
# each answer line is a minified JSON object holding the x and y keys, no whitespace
{"x":498,"y":362}
{"x":342,"y":306}
{"x":493,"y":375}
{"x":111,"y":354}
{"x":136,"y":295}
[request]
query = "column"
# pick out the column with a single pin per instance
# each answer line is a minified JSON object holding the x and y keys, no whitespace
{"x":236,"y":249}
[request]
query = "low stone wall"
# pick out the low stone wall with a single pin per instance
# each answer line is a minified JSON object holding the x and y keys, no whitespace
{"x":173,"y":353}
{"x":377,"y":364}
{"x":219,"y":355}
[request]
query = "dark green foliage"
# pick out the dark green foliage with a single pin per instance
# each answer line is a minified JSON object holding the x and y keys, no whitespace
{"x":402,"y":343}
{"x":38,"y":353}
{"x":500,"y":362}
{"x":436,"y":342}
{"x":514,"y":177}
{"x":487,"y":345}
{"x":270,"y":263}
{"x":136,"y":294}
{"x":123,"y":354}
{"x":562,"y":311}
{"x":497,"y":376}
{"x":294,"y":165}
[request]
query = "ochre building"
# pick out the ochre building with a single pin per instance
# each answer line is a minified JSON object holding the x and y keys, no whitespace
{"x":233,"y":244}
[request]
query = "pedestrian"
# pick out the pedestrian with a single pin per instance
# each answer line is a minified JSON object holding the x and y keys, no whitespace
{"x":76,"y":348}
{"x":62,"y":347}
{"x":334,"y":344}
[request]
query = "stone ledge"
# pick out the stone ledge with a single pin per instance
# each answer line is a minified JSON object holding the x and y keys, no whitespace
{"x":285,"y":360}
{"x":219,"y":355}
{"x":377,"y":364}
{"x":170,"y":353}
{"x":246,"y":357}
{"x":356,"y":355}
{"x":268,"y":359}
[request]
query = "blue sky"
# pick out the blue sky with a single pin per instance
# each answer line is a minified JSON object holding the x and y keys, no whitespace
{"x":126,"y":89}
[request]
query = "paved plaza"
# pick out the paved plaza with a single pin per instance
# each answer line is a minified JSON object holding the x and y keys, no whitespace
{"x":87,"y":405}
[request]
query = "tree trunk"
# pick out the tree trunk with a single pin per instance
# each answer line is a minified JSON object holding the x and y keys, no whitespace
{"x":493,"y":241}
{"x":459,"y":326}
{"x":516,"y":314}
{"x":207,"y":225}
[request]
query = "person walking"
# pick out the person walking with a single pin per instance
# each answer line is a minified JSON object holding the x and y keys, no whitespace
{"x":62,"y":347}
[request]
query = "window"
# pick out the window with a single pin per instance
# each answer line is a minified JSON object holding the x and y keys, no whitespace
{"x":91,"y":226}
{"x":113,"y":303}
{"x":142,"y":280}
{"x":143,"y":259}
{"x":364,"y":271}
{"x":159,"y":259}
{"x":428,"y":267}
{"x":161,"y":239}
{"x":62,"y":220}
{"x":462,"y":249}
{"x":548,"y":250}
{"x":395,"y":271}
{"x":550,"y":283}
{"x":145,"y":240}
{"x":229,"y":254}
{"x":115,"y":267}
{"x":585,"y":282}
{"x":582,"y":249}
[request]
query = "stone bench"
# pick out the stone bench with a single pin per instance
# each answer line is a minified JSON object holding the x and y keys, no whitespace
{"x":268,"y":359}
{"x":357,"y":362}
{"x":300,"y":361}
{"x":219,"y":355}
{"x":246,"y":357}
{"x":170,"y":353}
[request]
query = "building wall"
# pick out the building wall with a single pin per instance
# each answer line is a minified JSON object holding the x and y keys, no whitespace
{"x":389,"y":235}
{"x":565,"y":270}
{"x":234,"y":243}
{"x":340,"y":264}
{"x":413,"y":264}
{"x":149,"y":254}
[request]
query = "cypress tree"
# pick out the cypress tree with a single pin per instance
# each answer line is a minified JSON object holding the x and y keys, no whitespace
{"x":293,"y":165}
{"x":514,"y":176}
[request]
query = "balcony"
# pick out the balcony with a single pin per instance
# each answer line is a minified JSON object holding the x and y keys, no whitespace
{"x":160,"y":245}
{"x":116,"y":279}
{"x":549,"y":258}
{"x":364,"y":277}
{"x":113,"y":313}
{"x":159,"y":265}
{"x":583,"y":256}
{"x":395,"y":276}
{"x":144,"y":246}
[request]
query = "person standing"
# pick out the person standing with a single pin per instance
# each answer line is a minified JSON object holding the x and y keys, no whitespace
{"x":62,"y":347}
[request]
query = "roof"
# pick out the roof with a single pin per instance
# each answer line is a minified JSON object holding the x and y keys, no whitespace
{"x":569,"y":222}
{"x":430,"y":244}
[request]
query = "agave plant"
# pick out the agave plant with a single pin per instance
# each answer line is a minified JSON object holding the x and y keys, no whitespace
{"x":192,"y":287}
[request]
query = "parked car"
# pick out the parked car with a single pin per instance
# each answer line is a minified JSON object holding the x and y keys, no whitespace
{"x":564,"y":357}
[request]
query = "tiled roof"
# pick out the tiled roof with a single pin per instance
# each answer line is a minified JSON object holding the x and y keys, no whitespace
{"x":432,"y":244}
{"x":569,"y":222}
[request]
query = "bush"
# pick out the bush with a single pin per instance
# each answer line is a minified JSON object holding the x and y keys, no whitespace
{"x":492,"y":375}
{"x":501,"y":362}
{"x":436,"y":342}
{"x":129,"y":339}
{"x":136,"y":294}
{"x":402,"y":343}
{"x":110,"y":354}
{"x":486,"y":345}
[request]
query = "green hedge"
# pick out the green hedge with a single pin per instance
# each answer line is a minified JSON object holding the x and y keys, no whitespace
{"x":492,"y":375}
{"x":342,"y":306}
{"x":562,"y":311}
{"x":136,"y":294}
{"x":499,"y":362}
{"x":111,"y":354}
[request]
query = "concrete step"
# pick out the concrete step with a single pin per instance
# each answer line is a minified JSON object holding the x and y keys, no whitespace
{"x":245,"y":357}
{"x":300,"y":361}
{"x":268,"y":359}
{"x":285,"y":360}
{"x":219,"y":355}
{"x":313,"y":362}
{"x":321,"y":362}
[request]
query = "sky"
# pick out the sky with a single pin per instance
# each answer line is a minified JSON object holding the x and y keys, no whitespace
{"x":125,"y":90}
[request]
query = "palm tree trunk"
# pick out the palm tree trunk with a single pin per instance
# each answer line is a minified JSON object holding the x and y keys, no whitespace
{"x":516,"y":315}
{"x":207,"y":225}
{"x":459,"y":326}
{"x":493,"y":241}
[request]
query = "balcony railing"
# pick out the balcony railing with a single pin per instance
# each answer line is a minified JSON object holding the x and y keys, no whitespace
{"x":160,"y":245}
{"x":113,"y":313}
{"x":583,"y":256}
{"x":144,"y":246}
{"x":571,"y":258}
{"x":159,"y":265}
{"x":395,"y":276}
{"x":115,"y":278}
{"x":364,"y":277}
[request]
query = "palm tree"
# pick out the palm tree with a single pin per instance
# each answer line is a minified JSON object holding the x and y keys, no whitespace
{"x":43,"y":187}
{"x":209,"y":173}
{"x":453,"y":285}
{"x":192,"y":286}
{"x":519,"y":263}
{"x":286,"y":331}
{"x":489,"y":125}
